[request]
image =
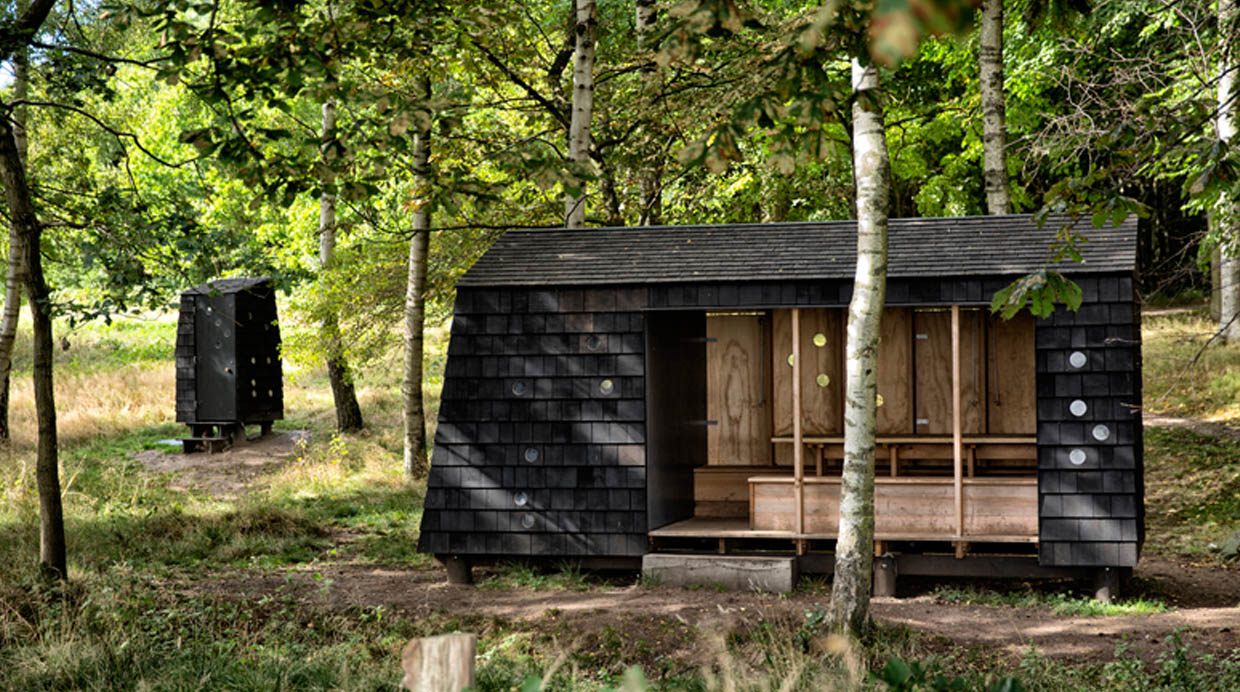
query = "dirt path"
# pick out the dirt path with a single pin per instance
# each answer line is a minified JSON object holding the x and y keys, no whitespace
{"x":1201,"y":427}
{"x":1211,"y":624}
{"x":1206,"y":599}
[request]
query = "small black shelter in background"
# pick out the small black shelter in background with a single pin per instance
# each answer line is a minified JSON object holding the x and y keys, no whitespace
{"x":229,"y":373}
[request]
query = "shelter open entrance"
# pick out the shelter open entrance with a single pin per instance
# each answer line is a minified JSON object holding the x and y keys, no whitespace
{"x":762,"y":456}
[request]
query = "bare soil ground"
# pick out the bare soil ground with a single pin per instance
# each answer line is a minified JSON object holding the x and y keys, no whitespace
{"x":1205,"y":598}
{"x":230,"y":473}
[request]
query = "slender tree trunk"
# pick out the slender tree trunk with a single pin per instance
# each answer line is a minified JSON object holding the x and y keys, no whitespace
{"x":15,"y":275}
{"x":415,"y":301}
{"x":649,"y":188}
{"x":348,"y":413}
{"x":994,"y":117}
{"x":607,"y":190}
{"x":52,"y":558}
{"x":850,"y":591}
{"x":1228,"y":216}
{"x":583,"y":106}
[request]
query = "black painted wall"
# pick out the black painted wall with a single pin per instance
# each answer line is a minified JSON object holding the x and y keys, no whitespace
{"x":534,"y":456}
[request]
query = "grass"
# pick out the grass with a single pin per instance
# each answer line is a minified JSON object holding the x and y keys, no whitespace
{"x":1058,"y":602}
{"x":1192,"y":487}
{"x":1173,"y":384}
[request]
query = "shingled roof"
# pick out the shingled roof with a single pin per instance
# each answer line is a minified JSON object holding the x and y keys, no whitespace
{"x":930,"y":247}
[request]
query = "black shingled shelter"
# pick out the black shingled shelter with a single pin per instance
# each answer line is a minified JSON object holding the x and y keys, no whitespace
{"x":229,"y":372}
{"x":612,"y":392}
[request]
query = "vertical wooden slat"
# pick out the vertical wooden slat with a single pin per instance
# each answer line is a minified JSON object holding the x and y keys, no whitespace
{"x":957,"y":442}
{"x":894,"y":452}
{"x":798,"y":451}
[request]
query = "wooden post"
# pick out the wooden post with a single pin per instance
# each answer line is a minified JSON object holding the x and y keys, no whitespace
{"x":798,"y":446}
{"x":439,"y":664}
{"x":893,"y":453}
{"x":957,"y":435}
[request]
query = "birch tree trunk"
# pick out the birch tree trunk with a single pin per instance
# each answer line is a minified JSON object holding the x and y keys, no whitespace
{"x":1228,"y":215}
{"x":348,"y":413}
{"x":52,"y":559}
{"x":583,"y":106}
{"x":850,"y":591}
{"x":15,"y":274}
{"x":994,"y":117}
{"x":649,"y":189}
{"x":416,"y":464}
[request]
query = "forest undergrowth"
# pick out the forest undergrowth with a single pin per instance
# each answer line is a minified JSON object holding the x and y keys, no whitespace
{"x":135,"y":615}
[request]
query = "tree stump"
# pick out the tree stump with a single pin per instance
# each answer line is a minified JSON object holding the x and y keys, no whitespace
{"x":439,"y":664}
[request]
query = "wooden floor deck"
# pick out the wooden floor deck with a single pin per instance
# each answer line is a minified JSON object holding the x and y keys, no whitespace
{"x":739,"y":528}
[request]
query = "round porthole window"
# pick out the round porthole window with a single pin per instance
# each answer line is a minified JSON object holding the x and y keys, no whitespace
{"x":1078,"y":359}
{"x":791,"y":360}
{"x":520,"y":388}
{"x":880,"y":399}
{"x":822,"y":379}
{"x":527,"y":521}
{"x":1077,"y":457}
{"x":531,"y":454}
{"x":820,"y":340}
{"x":606,"y":387}
{"x":253,"y":393}
{"x":593,"y":342}
{"x":520,"y":499}
{"x":1078,"y":408}
{"x":1101,"y":433}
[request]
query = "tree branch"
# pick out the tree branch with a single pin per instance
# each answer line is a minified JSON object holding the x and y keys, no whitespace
{"x":118,"y":134}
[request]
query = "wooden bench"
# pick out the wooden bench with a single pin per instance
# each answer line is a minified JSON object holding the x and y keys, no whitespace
{"x":1002,"y":509}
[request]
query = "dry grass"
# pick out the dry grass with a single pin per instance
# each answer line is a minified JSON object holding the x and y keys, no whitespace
{"x":1176,"y":385}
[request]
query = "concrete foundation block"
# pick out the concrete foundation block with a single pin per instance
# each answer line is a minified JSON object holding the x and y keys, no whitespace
{"x":737,"y":573}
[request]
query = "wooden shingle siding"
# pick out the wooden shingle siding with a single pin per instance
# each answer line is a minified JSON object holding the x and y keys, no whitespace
{"x":525,"y":412}
{"x":1092,"y":511}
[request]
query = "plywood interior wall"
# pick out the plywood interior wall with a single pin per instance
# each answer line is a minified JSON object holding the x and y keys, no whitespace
{"x":736,"y":385}
{"x":1012,"y":397}
{"x":932,"y":354}
{"x":895,"y":373}
{"x":822,"y":405}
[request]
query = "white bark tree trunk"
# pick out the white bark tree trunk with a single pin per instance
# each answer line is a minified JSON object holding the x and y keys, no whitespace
{"x":583,"y":105}
{"x":994,"y":118}
{"x":348,"y":413}
{"x":649,"y":189}
{"x":1228,"y":215}
{"x":415,"y":301}
{"x":850,"y":591}
{"x":15,"y":274}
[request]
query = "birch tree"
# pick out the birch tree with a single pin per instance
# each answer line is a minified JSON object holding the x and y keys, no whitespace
{"x":850,"y":589}
{"x":1227,"y":214}
{"x":650,"y":206}
{"x":994,"y":118}
{"x":25,"y":222}
{"x":583,"y":107}
{"x":348,"y":413}
{"x":415,"y":297}
{"x":15,"y":274}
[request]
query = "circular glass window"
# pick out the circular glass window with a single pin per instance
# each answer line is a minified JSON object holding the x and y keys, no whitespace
{"x":531,"y":454}
{"x":520,"y":388}
{"x":606,"y":386}
{"x":822,"y":379}
{"x":820,"y":340}
{"x":520,"y":499}
{"x":527,"y":521}
{"x":791,"y":360}
{"x":1078,"y":407}
{"x":1078,"y":359}
{"x":1101,"y":433}
{"x":880,"y":399}
{"x":593,"y":342}
{"x":1077,"y":457}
